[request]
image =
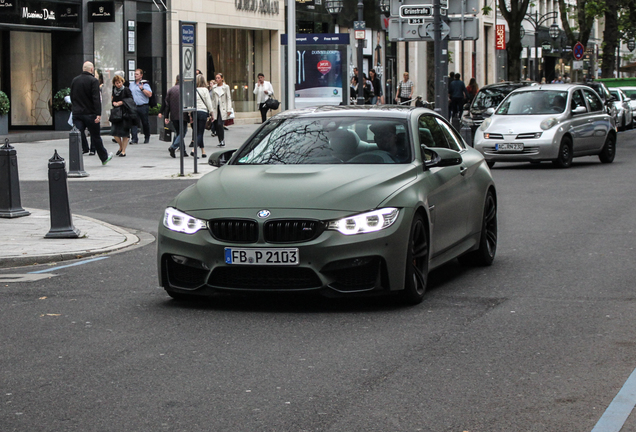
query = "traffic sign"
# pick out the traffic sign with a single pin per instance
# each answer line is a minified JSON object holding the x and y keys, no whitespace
{"x":578,"y":51}
{"x":430,"y":30}
{"x":416,"y":11}
{"x":401,"y":30}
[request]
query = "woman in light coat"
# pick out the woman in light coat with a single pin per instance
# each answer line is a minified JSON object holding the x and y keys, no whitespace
{"x":204,"y":109}
{"x":263,"y":91}
{"x":222,"y":104}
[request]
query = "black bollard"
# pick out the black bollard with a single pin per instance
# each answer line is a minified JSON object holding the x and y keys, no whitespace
{"x":10,"y":206}
{"x":467,"y":133}
{"x":61,"y":218}
{"x":75,"y":155}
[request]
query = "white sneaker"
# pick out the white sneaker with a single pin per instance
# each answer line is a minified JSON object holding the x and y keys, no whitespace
{"x":221,"y":144}
{"x":110,"y":156}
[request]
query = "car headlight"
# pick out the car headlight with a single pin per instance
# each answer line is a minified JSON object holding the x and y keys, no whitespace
{"x":365,"y":222}
{"x":178,"y":221}
{"x":548,"y":123}
{"x":485,"y":124}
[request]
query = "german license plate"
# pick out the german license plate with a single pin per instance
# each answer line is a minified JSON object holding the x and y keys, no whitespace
{"x":265,"y":256}
{"x":509,"y":147}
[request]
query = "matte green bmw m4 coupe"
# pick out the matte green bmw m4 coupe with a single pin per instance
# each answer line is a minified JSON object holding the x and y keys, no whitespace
{"x":337,"y":200}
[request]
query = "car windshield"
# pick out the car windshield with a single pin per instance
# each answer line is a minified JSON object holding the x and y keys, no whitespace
{"x":534,"y":103}
{"x":631,"y":94}
{"x":490,"y":98}
{"x":328,"y":140}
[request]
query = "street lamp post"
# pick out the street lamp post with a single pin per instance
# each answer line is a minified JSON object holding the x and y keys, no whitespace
{"x":361,"y":82}
{"x":536,"y":22}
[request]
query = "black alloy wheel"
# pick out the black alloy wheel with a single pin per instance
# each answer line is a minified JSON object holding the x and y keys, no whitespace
{"x":485,"y":255}
{"x":564,"y":160}
{"x":608,"y":152}
{"x":416,"y":277}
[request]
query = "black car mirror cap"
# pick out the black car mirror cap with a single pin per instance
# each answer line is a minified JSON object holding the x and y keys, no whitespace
{"x":220,"y":158}
{"x":440,"y":157}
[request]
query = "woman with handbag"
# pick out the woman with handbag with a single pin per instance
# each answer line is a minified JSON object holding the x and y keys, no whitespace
{"x":222,"y":106}
{"x":121,"y":122}
{"x":204,"y":110}
{"x":263,"y":91}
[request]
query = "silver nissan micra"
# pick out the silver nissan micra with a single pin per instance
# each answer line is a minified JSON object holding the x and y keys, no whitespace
{"x":552,"y":122}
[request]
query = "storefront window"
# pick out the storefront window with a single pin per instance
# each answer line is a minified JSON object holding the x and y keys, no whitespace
{"x":109,"y":56}
{"x":31,"y":92}
{"x":231,"y":52}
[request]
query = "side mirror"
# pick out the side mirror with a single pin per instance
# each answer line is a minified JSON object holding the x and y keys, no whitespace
{"x":579,"y":110}
{"x":490,"y":111}
{"x":220,"y":158}
{"x":613,"y":98}
{"x":440,"y":157}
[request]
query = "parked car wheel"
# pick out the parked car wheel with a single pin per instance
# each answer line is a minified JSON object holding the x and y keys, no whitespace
{"x":608,"y":152}
{"x":416,"y":263}
{"x":485,"y":255}
{"x":623,"y":125}
{"x":564,"y":160}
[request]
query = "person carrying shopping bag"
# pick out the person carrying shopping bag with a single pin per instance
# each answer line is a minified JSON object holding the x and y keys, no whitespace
{"x":263,"y":91}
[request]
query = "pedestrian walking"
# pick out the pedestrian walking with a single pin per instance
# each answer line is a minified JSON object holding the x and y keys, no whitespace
{"x":170,"y":112}
{"x":87,"y":109}
{"x":457,"y":93}
{"x":222,"y":104}
{"x":472,"y":89}
{"x":263,"y":91}
{"x":405,"y":90}
{"x":123,"y":102}
{"x":377,"y":98}
{"x":141,"y":92}
{"x":204,"y":110}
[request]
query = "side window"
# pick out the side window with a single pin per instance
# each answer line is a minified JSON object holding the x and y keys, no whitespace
{"x":430,"y":132}
{"x":454,"y":142}
{"x":577,"y":100}
{"x":593,"y":100}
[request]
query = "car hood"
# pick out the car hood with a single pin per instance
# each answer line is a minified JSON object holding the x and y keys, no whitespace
{"x":326,"y":187}
{"x":511,"y":124}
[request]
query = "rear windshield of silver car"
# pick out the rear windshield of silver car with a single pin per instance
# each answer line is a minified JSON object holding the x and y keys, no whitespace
{"x":329,"y":141}
{"x":541,"y":102}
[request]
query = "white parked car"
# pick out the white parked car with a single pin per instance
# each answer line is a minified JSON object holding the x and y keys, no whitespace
{"x":625,"y":115}
{"x":630,"y":92}
{"x":553,"y":122}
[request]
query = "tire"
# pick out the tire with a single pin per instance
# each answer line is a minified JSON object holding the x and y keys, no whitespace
{"x":416,"y":274}
{"x":623,"y":124}
{"x":485,"y":255}
{"x":564,"y":160}
{"x":490,"y":164}
{"x":608,"y":152}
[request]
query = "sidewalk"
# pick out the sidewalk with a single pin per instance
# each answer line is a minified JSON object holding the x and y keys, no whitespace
{"x":22,"y":238}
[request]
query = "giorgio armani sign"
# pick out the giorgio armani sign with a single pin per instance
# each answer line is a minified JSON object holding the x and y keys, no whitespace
{"x":40,"y":14}
{"x":262,"y":6}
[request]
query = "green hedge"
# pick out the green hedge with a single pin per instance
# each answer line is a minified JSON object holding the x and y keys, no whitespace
{"x":618,"y":82}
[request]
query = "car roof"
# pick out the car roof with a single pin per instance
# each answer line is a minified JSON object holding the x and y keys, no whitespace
{"x":552,"y":87}
{"x":508,"y":85}
{"x":379,"y":111}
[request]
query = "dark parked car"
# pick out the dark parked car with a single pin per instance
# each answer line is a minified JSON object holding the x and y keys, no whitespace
{"x":606,"y":97}
{"x":489,"y":96}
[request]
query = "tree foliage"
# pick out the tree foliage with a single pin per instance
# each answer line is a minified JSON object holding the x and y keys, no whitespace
{"x":514,"y":11}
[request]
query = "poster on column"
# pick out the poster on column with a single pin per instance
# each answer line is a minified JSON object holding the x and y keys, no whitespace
{"x":319,"y":76}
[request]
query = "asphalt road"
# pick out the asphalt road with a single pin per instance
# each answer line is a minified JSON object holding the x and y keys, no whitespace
{"x":541,"y":341}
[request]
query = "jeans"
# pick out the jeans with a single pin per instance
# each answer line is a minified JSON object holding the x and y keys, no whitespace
{"x":218,"y":122}
{"x":142,"y":113}
{"x":202,"y":116}
{"x":87,"y":121}
{"x":178,"y":126}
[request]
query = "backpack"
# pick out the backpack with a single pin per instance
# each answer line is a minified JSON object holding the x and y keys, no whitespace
{"x":152,"y":101}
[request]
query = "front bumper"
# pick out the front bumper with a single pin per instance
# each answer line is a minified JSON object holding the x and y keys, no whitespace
{"x":332,"y":263}
{"x":541,"y":149}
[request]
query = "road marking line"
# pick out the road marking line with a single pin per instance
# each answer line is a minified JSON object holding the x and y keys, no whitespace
{"x":69,"y":265}
{"x":619,"y":410}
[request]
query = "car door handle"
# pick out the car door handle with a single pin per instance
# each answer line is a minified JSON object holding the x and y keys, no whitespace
{"x":462,"y":170}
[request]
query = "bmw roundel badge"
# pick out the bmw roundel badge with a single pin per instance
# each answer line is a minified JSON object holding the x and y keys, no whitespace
{"x":264,"y":214}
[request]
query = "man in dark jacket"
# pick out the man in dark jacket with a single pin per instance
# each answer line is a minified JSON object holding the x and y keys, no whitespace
{"x":87,"y":108}
{"x":171,"y":112}
{"x":458,"y":93}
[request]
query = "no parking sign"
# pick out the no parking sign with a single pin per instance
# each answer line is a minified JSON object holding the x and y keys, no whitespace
{"x":578,"y":51}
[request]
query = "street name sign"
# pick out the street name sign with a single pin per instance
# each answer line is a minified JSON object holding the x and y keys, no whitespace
{"x":416,"y":11}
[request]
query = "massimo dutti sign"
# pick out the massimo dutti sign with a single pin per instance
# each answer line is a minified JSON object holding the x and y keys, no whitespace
{"x":101,"y":11}
{"x":40,"y":14}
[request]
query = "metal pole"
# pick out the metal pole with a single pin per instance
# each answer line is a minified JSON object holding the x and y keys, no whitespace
{"x":360,"y":100}
{"x":441,"y":67}
{"x":291,"y":54}
{"x":536,"y":46}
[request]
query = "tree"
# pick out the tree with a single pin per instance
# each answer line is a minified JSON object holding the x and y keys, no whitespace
{"x":514,"y":16}
{"x":610,"y":39}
